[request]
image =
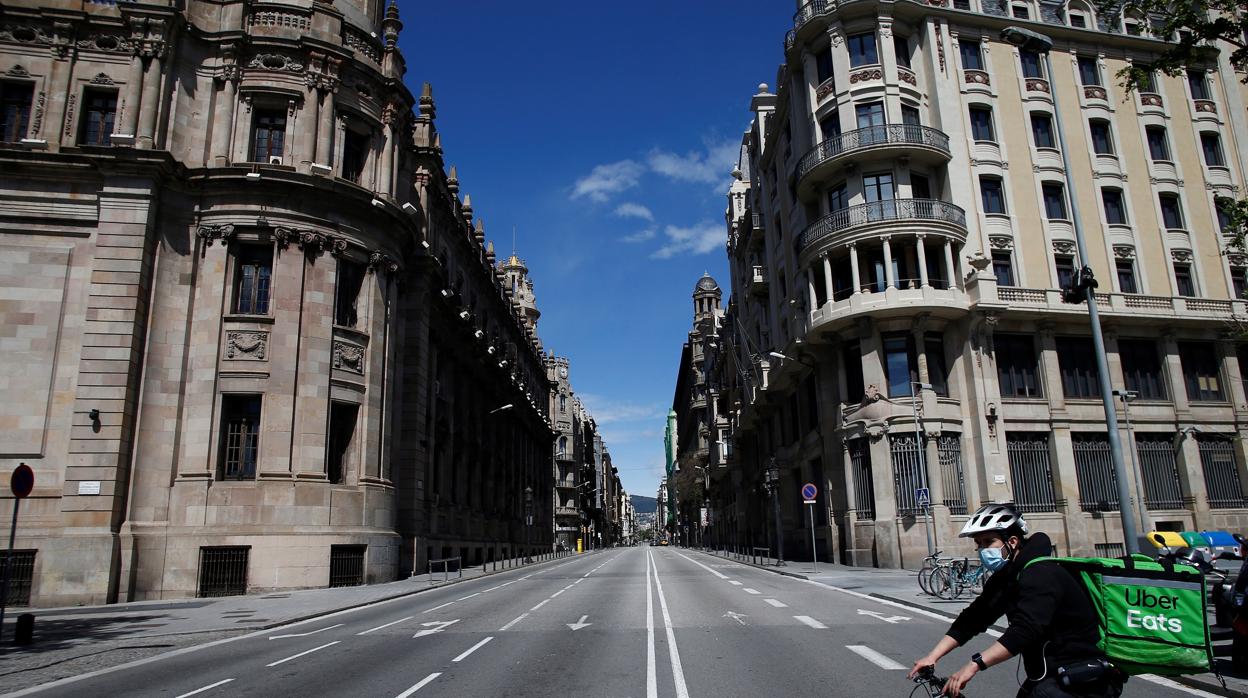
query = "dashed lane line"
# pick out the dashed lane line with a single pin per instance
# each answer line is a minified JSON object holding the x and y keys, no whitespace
{"x":209,"y":687}
{"x":521,"y":617}
{"x":465,"y":598}
{"x":717,"y":573}
{"x":423,"y":682}
{"x":734,"y":582}
{"x":811,"y":622}
{"x":305,"y":652}
{"x":557,"y":593}
{"x":875,"y":658}
{"x":382,"y":627}
{"x":777,"y":604}
{"x":472,"y":649}
{"x":751,"y":591}
{"x":431,"y":610}
{"x":543,"y":603}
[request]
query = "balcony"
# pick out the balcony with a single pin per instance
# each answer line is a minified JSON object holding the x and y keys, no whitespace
{"x":855,"y":222}
{"x":804,"y":29}
{"x":567,"y":511}
{"x":1171,"y":308}
{"x":922,"y":144}
{"x":758,"y":282}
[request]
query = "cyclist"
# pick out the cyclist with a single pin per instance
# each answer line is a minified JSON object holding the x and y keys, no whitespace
{"x":1051,"y":621}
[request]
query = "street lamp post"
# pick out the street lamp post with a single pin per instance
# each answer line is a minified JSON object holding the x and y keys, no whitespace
{"x":929,"y":529}
{"x":773,"y":486}
{"x":1085,"y":284}
{"x":1127,"y":396}
{"x":528,"y":522}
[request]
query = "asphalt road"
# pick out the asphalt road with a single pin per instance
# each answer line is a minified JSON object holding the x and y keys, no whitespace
{"x":632,"y":622}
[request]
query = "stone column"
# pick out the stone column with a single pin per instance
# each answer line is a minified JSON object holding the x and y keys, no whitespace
{"x":810,"y":287}
{"x":150,"y":107}
{"x":920,"y":245}
{"x":223,"y":115}
{"x":853,"y":265}
{"x":1174,"y":375}
{"x":128,"y":120}
{"x":827,"y":276}
{"x":240,"y":145}
{"x":386,"y":176}
{"x":56,"y":97}
{"x":325,"y":129}
{"x":1192,"y":480}
{"x":951,"y":272}
{"x":889,"y":277}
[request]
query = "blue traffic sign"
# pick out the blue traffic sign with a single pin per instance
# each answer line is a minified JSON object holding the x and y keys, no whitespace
{"x":923,"y":497}
{"x":809,"y":491}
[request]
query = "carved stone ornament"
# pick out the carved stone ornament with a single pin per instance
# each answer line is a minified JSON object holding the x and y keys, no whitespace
{"x":825,"y":88}
{"x":310,"y":241}
{"x":25,"y":34}
{"x":1095,"y":92}
{"x":1063,"y":247}
{"x":102,"y":79}
{"x":246,"y":346}
{"x":18,"y":71}
{"x":864,"y":75}
{"x":1237,"y":260}
{"x":1037,"y":85}
{"x":979,"y":261}
{"x":275,"y":62}
{"x":209,"y":233}
{"x":1181,"y":255}
{"x":1124,"y":251}
{"x":908,"y":76}
{"x":1150,"y":100}
{"x":380,"y":261}
{"x":1206,"y":106}
{"x":108,"y":43}
{"x":975,"y":77}
{"x":1004,"y":243}
{"x":349,"y":357}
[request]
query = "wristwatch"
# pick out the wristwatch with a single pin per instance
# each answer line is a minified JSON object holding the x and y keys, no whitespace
{"x":979,"y":661}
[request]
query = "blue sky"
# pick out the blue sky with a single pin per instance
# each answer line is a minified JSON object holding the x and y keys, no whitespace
{"x":605,"y":133}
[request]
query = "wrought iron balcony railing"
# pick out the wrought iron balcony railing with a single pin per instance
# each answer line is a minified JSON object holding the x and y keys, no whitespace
{"x":887,"y":134}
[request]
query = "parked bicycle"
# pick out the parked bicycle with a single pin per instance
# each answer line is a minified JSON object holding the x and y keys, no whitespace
{"x":963,"y":576}
{"x":932,"y":576}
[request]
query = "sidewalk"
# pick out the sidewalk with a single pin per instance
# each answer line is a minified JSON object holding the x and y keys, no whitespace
{"x":75,"y":640}
{"x":902,"y":586}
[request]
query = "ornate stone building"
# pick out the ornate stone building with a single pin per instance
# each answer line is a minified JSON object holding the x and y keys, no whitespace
{"x":898,"y":234}
{"x":253,"y":338}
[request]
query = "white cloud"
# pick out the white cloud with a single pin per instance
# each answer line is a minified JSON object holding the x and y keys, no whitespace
{"x":607,"y":411}
{"x":608,"y":179}
{"x":699,"y":238}
{"x":711,"y":166}
{"x":632,"y":210}
{"x":641,"y":236}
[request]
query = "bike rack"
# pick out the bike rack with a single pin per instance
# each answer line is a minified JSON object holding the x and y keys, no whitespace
{"x":446,"y":567}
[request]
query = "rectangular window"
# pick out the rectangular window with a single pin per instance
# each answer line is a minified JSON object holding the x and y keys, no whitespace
{"x":1115,"y":211}
{"x":342,"y":418}
{"x":21,"y":564}
{"x":1018,"y":372}
{"x":878,"y":187}
{"x":920,"y":187}
{"x":855,"y":388}
{"x":1184,"y":284}
{"x":1078,"y":367}
{"x":1239,"y":281}
{"x":937,"y":373}
{"x":1211,"y":144}
{"x":972,"y":58}
{"x":910,"y":116}
{"x":1078,"y":21}
{"x":1142,"y":370}
{"x":1020,"y":12}
{"x":1003,"y":268}
{"x":992,"y":195}
{"x":1125,"y":269}
{"x":862,"y":50}
{"x":1042,"y":130}
{"x":15,"y":100}
{"x":1054,"y":201}
{"x":1222,"y":483}
{"x":1031,"y":61}
{"x":1065,"y":266}
{"x":223,"y":571}
{"x":1102,"y":139}
{"x":838,"y":198}
{"x":99,"y":108}
{"x":870,"y":114}
{"x":1031,"y":474}
{"x":1158,"y":144}
{"x":1171,"y":211}
{"x":981,"y":124}
{"x":831,"y":126}
{"x":268,"y":134}
{"x":1147,"y":82}
{"x":901,"y":47}
{"x":1197,"y":83}
{"x":347,"y":293}
{"x":252,"y":277}
{"x":961,"y":4}
{"x":900,"y":365}
{"x":1094,"y":470}
{"x":240,"y":436}
{"x":346,"y":565}
{"x":1089,"y":71}
{"x":354,"y":155}
{"x":823,"y":66}
{"x":1201,"y":374}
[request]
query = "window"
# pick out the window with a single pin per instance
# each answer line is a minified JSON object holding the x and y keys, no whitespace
{"x":823,"y":66}
{"x":1078,"y":367}
{"x":1171,"y":211}
{"x":991,"y":195}
{"x":900,"y":365}
{"x":1017,"y":369}
{"x":563,"y":402}
{"x":1115,"y":211}
{"x":252,"y":278}
{"x":1132,"y":25}
{"x":1020,"y":11}
{"x":1224,"y":216}
{"x":981,"y":124}
{"x":851,"y":358}
{"x":354,"y":155}
{"x":1089,"y":71}
{"x":1239,"y":281}
{"x":1003,"y":268}
{"x":1078,"y":20}
{"x":1184,"y":283}
{"x":1142,"y":370}
{"x":1102,"y":139}
{"x":1125,"y":269}
{"x":240,"y":436}
{"x":1147,"y":82}
{"x":972,"y":58}
{"x":1054,"y":195}
{"x":870,"y":114}
{"x":937,"y":374}
{"x":268,"y":134}
{"x":901,"y":47}
{"x":1211,"y":144}
{"x":347,"y":292}
{"x":99,"y":108}
{"x":831,"y":126}
{"x":1158,"y":145}
{"x":1200,"y":371}
{"x":920,"y":188}
{"x":961,"y":4}
{"x":1065,"y":266}
{"x":862,"y":50}
{"x":1042,"y":130}
{"x":342,"y":418}
{"x":910,"y":115}
{"x":878,"y":187}
{"x":223,"y":571}
{"x":838,"y":198}
{"x":563,"y":446}
{"x":1032,"y":67}
{"x":1197,"y":83}
{"x":15,"y":99}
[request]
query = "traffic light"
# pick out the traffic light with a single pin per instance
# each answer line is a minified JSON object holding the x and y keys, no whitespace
{"x":1077,"y":290}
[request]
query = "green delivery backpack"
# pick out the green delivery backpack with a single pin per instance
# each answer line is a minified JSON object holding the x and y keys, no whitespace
{"x":1152,"y":614}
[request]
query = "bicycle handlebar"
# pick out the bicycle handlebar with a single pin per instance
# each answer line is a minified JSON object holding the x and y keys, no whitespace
{"x":935,"y":684}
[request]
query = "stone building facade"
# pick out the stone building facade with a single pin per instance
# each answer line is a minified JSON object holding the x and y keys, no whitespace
{"x":898,"y":233}
{"x":253,"y":336}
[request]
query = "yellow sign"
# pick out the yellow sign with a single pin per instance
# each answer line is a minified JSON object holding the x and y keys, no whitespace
{"x":580,"y":543}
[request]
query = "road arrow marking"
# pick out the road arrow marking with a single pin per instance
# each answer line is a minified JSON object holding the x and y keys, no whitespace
{"x":736,"y":616}
{"x":440,"y":626}
{"x":579,"y":624}
{"x":881,"y":616}
{"x":313,"y":632}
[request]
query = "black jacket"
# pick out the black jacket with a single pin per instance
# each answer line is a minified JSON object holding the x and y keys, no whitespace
{"x":1051,"y":618}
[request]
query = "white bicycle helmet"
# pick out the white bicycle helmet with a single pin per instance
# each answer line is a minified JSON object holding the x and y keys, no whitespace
{"x":992,"y":518}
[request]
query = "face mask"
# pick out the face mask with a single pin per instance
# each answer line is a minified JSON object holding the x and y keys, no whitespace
{"x":991,"y":559}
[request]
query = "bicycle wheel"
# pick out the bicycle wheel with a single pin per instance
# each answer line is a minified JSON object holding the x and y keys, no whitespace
{"x":925,"y":580}
{"x":942,"y":582}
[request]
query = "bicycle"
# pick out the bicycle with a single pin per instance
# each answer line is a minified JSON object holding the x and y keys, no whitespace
{"x":931,"y":576}
{"x":929,"y":681}
{"x":962,"y":576}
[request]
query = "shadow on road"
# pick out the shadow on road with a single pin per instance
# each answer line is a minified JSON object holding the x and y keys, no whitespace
{"x":53,"y":634}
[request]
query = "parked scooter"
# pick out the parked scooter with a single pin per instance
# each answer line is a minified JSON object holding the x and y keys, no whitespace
{"x":1223,"y":607}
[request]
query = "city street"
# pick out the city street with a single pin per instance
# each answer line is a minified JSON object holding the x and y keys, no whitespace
{"x":643,"y":621}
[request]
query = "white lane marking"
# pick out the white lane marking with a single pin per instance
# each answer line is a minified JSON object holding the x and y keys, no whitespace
{"x":751,"y":591}
{"x":465,"y":598}
{"x":678,"y":673}
{"x":568,"y":586}
{"x":557,"y":593}
{"x":206,"y":688}
{"x":717,"y":573}
{"x":521,"y":617}
{"x":540,"y":605}
{"x":734,"y":582}
{"x":436,"y":626}
{"x":296,"y":656}
{"x":881,"y":616}
{"x":811,"y":622}
{"x":777,"y":604}
{"x":472,"y":649}
{"x":431,"y":610}
{"x":420,"y":685}
{"x":652,"y":686}
{"x":386,"y":625}
{"x":736,"y":616}
{"x":1171,"y":683}
{"x":578,"y":624}
{"x":312,"y":632}
{"x":875,"y":657}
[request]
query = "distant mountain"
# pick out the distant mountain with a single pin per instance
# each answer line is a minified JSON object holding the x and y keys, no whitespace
{"x":643,"y":505}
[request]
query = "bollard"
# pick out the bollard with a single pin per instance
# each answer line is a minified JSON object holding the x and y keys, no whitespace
{"x":25,"y":631}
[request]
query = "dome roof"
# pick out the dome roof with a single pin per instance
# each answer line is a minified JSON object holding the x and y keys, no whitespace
{"x":706,"y":283}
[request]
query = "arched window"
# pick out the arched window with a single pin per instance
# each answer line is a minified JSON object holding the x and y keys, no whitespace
{"x":1079,"y":15}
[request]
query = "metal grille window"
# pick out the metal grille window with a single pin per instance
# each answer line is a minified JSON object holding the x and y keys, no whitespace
{"x":15,"y":100}
{"x":223,"y":571}
{"x":1141,"y":368}
{"x":951,"y":477}
{"x":1109,"y":549}
{"x":21,"y":576}
{"x":1098,"y":487}
{"x":1217,"y":458}
{"x":1159,"y":470}
{"x":252,"y":279}
{"x":864,"y":485}
{"x":1200,"y":371}
{"x":907,"y":474}
{"x":346,"y":565}
{"x":1078,"y":366}
{"x":1017,"y":369}
{"x":240,"y":436}
{"x":1030,"y":474}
